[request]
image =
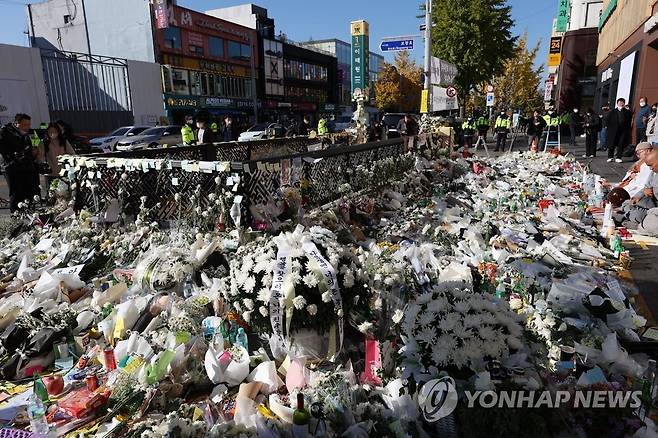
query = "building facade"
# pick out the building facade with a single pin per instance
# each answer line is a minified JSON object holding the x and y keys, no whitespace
{"x":343,"y":53}
{"x":207,"y":64}
{"x":627,"y":57}
{"x":295,"y":80}
{"x":575,"y":77}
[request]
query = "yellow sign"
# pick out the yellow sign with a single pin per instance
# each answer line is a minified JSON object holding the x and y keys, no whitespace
{"x":359,"y":27}
{"x":554,"y":59}
{"x":424,"y":97}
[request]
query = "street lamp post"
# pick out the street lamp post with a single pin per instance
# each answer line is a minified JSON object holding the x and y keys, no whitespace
{"x":428,"y":53}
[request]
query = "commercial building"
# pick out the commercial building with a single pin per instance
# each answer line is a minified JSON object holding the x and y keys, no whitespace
{"x":296,"y":80}
{"x":343,"y":53}
{"x":573,"y":51}
{"x":627,"y":57}
{"x":207,"y":63}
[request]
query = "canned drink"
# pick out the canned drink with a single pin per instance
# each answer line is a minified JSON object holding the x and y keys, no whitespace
{"x":92,"y":382}
{"x":110,"y":361}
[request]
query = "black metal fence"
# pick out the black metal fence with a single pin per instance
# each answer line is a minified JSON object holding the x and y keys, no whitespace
{"x":255,"y":170}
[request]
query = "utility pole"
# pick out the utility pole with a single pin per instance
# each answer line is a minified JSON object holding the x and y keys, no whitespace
{"x":428,"y":53}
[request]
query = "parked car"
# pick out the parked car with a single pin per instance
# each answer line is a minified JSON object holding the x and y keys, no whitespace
{"x":151,"y":138}
{"x":342,"y":123}
{"x":108,"y":143}
{"x":390,"y":120}
{"x":262,"y":131}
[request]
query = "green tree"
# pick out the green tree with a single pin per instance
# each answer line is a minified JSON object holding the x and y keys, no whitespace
{"x":518,"y":85}
{"x":475,"y":35}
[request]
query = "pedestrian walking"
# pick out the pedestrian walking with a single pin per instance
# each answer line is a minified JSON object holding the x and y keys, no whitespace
{"x":187,"y":131}
{"x":619,"y":131}
{"x":408,"y":129}
{"x":574,"y":126}
{"x":53,"y":145}
{"x":536,"y":126}
{"x":641,"y":120}
{"x":204,"y":132}
{"x":17,"y":154}
{"x":603,"y":135}
{"x":227,"y":133}
{"x":502,"y":127}
{"x":592,"y":123}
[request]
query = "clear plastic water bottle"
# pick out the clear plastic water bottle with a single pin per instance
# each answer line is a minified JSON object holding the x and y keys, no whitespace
{"x":36,"y":411}
{"x":241,"y":339}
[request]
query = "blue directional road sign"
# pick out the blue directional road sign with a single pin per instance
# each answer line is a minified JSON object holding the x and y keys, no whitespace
{"x":390,"y":46}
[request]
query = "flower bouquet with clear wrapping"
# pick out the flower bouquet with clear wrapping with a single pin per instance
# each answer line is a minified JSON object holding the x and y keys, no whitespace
{"x":301,"y":285}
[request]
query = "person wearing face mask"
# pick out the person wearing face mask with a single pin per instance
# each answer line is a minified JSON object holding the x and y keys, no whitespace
{"x":619,"y":131}
{"x":187,"y":133}
{"x":574,"y":126}
{"x":652,"y":125}
{"x":53,"y":145}
{"x":204,"y":134}
{"x":603,"y":135}
{"x":502,"y":128}
{"x":641,"y":119}
{"x":19,"y":169}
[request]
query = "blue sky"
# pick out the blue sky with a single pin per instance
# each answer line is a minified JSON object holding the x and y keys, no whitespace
{"x":303,"y":19}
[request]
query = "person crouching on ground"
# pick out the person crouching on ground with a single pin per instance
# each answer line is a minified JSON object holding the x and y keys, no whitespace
{"x":636,"y":179}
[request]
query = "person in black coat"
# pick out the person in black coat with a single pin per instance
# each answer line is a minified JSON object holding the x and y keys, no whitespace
{"x":619,"y":130}
{"x":17,"y":154}
{"x":574,"y":126}
{"x":592,"y":125}
{"x":536,"y":125}
{"x":227,"y":133}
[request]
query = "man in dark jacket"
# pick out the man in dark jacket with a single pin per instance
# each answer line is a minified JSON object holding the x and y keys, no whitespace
{"x":227,"y":133}
{"x":20,"y":171}
{"x":574,"y":126}
{"x":619,"y":131}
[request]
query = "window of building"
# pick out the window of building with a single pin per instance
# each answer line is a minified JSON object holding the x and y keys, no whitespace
{"x":166,"y":80}
{"x":196,"y":50}
{"x":172,"y":38}
{"x":216,"y":47}
{"x":180,"y":81}
{"x":195,"y":83}
{"x":238,"y":50}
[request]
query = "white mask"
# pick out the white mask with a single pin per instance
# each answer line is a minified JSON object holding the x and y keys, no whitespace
{"x":643,"y":104}
{"x":575,"y":110}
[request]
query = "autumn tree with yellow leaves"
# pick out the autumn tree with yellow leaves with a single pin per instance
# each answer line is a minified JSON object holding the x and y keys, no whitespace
{"x":399,"y":86}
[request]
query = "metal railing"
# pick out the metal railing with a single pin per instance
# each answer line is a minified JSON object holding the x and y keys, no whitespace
{"x":258,"y":171}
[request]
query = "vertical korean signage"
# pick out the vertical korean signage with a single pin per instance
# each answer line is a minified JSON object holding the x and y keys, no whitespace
{"x":161,"y":10}
{"x":360,"y":57}
{"x":562,"y":15}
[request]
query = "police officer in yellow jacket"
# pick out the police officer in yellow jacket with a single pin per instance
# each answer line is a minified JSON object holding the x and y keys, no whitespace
{"x":322,"y":126}
{"x":187,"y":131}
{"x":502,"y":126}
{"x":468,"y":131}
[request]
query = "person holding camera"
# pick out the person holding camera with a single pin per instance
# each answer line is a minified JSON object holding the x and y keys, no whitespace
{"x":53,"y":145}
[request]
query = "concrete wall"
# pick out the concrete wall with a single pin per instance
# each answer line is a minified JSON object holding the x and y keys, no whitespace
{"x":22,"y":88}
{"x":50,"y":30}
{"x":146,"y":92}
{"x":241,"y":14}
{"x":120,"y":28}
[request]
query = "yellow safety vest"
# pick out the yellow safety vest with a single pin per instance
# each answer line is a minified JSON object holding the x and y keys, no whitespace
{"x":34,"y":138}
{"x":188,"y":134}
{"x":502,"y":123}
{"x":322,"y":127}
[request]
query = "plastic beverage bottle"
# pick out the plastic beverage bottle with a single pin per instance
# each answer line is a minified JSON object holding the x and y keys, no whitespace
{"x":36,"y":411}
{"x":241,"y":339}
